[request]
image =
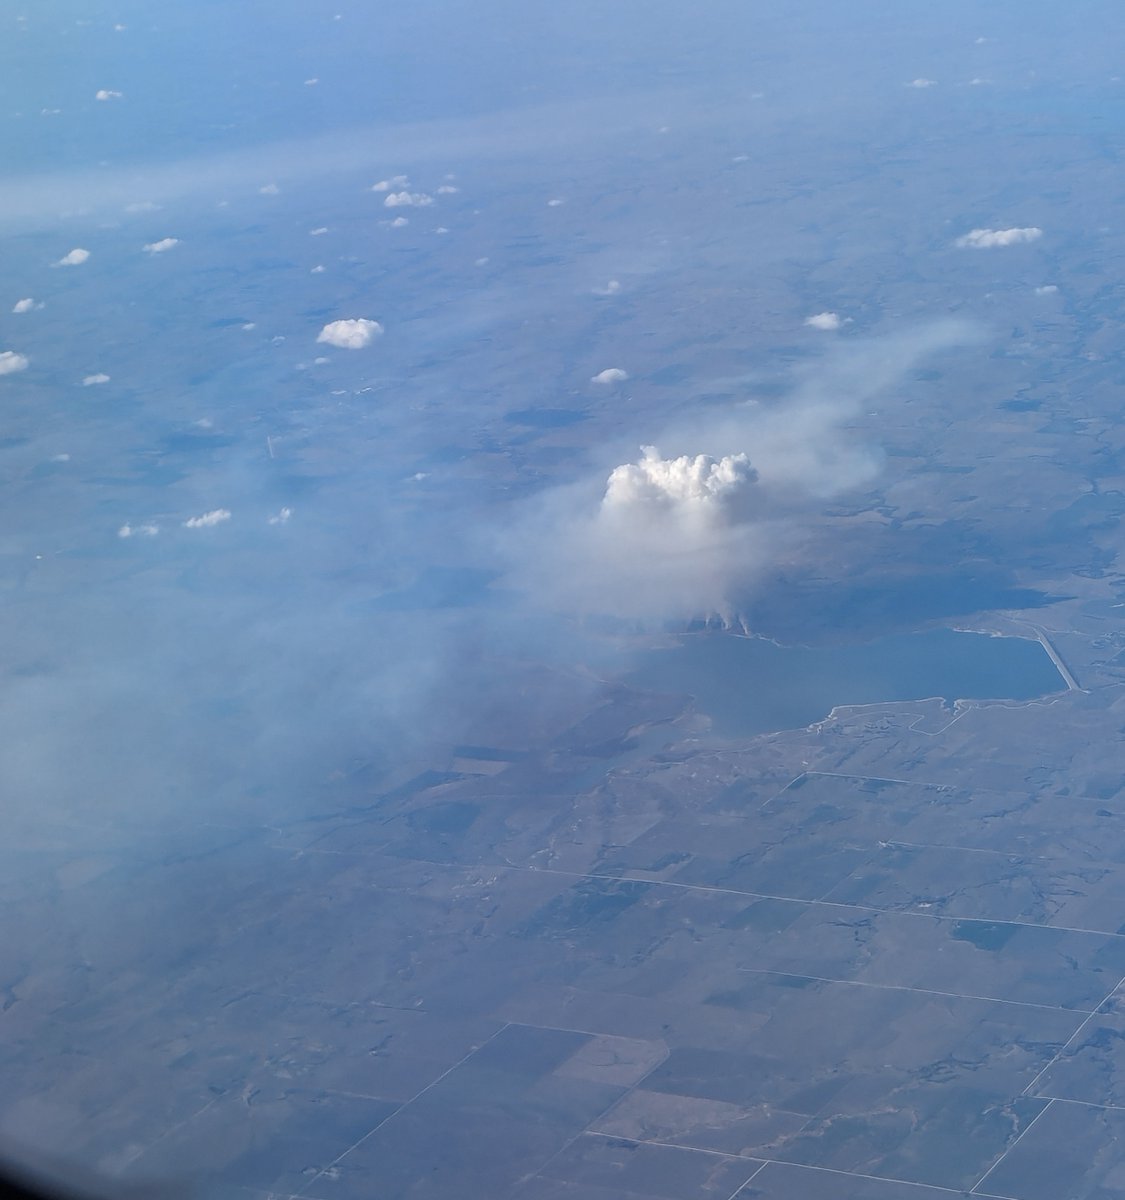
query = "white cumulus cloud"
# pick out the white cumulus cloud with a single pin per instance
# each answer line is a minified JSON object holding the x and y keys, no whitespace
{"x":146,"y":530}
{"x":270,"y":189}
{"x":73,"y":258}
{"x":162,"y":245}
{"x":11,"y":362}
{"x":1048,"y":289}
{"x":350,"y":334}
{"x":408,"y":200}
{"x":825,"y":320}
{"x":921,"y":83}
{"x":610,"y":375}
{"x":388,"y":185}
{"x":93,"y":380}
{"x":281,"y":517}
{"x":107,"y":94}
{"x":985,"y":239}
{"x":215,"y":517}
{"x":22,"y":306}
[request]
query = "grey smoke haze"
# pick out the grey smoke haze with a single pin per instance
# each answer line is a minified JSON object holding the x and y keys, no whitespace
{"x":247,"y":670}
{"x":704,"y":513}
{"x":257,"y":670}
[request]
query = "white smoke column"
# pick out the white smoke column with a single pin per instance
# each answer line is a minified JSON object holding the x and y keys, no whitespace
{"x":672,"y":491}
{"x":663,"y":540}
{"x":669,"y":531}
{"x":690,"y":535}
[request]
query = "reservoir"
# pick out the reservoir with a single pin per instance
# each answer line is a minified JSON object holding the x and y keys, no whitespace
{"x":748,"y":685}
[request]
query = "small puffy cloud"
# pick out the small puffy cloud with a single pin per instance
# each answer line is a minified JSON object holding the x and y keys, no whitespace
{"x":826,"y":320}
{"x":206,"y":520}
{"x":73,"y":258}
{"x":610,"y":375}
{"x":985,"y":239}
{"x":94,"y":380}
{"x":11,"y":362}
{"x":610,"y":289}
{"x":162,"y":245}
{"x":311,"y":82}
{"x":270,"y":189}
{"x":556,"y":203}
{"x":388,"y":185}
{"x":22,"y":306}
{"x":351,"y":334}
{"x":317,"y":270}
{"x":280,"y":518}
{"x":107,"y":94}
{"x":319,"y":231}
{"x":399,"y":222}
{"x":1048,"y":289}
{"x":408,"y":200}
{"x":921,"y":83}
{"x":146,"y":530}
{"x":447,"y":189}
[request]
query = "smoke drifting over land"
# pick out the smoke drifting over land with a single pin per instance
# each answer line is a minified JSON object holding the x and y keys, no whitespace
{"x":687,"y":530}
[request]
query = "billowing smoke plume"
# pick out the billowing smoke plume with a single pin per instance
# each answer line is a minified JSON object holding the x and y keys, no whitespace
{"x":668,"y":538}
{"x":687,"y":490}
{"x":689,"y":535}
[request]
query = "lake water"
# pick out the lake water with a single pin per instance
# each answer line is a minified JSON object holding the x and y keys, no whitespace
{"x":749,"y":685}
